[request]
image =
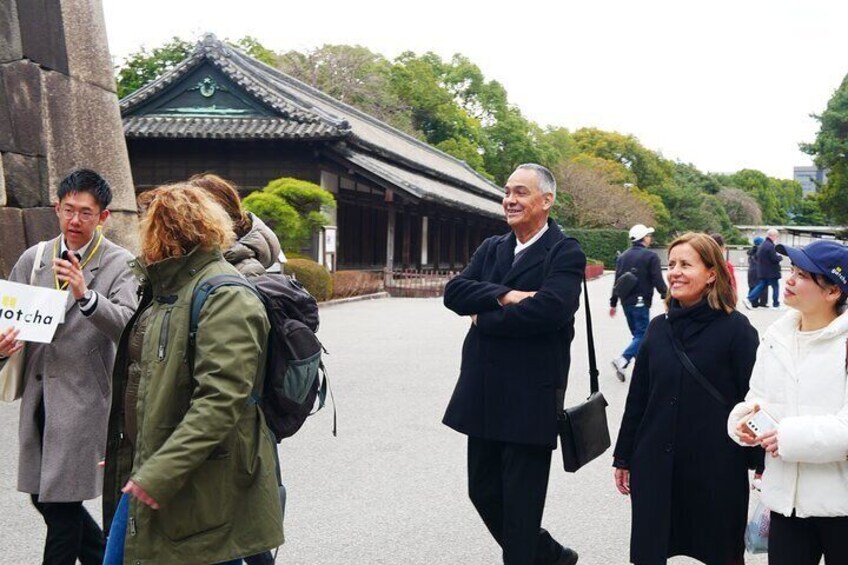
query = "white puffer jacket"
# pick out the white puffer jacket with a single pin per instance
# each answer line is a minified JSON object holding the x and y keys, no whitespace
{"x":809,"y":399}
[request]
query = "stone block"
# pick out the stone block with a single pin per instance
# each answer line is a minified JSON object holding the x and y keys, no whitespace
{"x":86,"y":131}
{"x":25,"y":178}
{"x":10,"y":32}
{"x":122,"y":228}
{"x":85,"y":43}
{"x":13,"y":238}
{"x":7,"y":137}
{"x":43,"y":33}
{"x":40,"y":224}
{"x":3,"y":199}
{"x":23,"y":86}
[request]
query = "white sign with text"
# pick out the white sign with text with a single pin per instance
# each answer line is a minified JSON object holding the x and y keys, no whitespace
{"x":34,"y":310}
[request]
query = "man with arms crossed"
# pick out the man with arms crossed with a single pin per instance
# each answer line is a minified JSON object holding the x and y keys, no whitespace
{"x":521,"y":291}
{"x":65,"y":404}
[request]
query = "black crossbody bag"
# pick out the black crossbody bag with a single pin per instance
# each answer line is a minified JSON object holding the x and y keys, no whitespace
{"x":583,"y":429}
{"x":693,"y":370}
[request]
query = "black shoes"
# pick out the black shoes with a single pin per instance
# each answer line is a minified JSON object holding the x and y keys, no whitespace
{"x":567,"y":557}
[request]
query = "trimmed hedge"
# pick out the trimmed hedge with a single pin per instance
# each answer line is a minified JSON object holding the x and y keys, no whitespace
{"x":316,"y":278}
{"x":601,"y":244}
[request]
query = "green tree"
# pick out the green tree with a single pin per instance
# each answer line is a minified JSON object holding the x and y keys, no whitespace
{"x":292,"y":208}
{"x":810,"y":213}
{"x":650,"y":169}
{"x":144,"y":66}
{"x":354,"y":75}
{"x":252,"y":47}
{"x":830,"y":152}
{"x":759,"y":186}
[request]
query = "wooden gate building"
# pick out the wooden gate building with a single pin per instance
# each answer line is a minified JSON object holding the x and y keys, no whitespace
{"x":401,"y":202}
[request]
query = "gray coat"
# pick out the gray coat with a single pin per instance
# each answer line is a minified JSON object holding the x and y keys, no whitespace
{"x":73,"y":375}
{"x":256,"y":251}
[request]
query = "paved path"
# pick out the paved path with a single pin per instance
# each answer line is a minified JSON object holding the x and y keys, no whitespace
{"x":390,"y":489}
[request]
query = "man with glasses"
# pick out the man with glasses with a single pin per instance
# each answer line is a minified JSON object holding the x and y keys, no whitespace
{"x":67,"y":391}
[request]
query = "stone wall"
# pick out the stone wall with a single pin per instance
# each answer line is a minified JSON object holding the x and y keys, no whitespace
{"x":58,"y":111}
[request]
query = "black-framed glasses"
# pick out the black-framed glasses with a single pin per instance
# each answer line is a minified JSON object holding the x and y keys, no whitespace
{"x":85,"y":216}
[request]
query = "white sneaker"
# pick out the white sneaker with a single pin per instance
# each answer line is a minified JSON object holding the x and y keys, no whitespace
{"x":777,"y":307}
{"x":747,"y":303}
{"x":620,"y":366}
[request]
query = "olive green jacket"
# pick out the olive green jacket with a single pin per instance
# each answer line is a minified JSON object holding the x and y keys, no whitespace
{"x":202,"y":450}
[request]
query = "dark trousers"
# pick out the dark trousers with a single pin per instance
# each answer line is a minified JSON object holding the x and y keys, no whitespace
{"x":761,"y":287}
{"x":638,"y":318}
{"x":507,"y":484}
{"x":803,"y":541}
{"x":71,"y":533}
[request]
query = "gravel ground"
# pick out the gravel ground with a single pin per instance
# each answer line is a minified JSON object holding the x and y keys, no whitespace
{"x":390,"y":489}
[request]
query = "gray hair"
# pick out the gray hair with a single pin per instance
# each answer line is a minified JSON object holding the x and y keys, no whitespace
{"x":547,"y":182}
{"x":772,"y":232}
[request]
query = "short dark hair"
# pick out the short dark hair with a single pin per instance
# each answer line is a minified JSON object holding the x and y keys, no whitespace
{"x":718,"y":239}
{"x":86,"y":180}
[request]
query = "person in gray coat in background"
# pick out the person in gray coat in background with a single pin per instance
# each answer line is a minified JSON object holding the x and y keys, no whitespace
{"x":257,"y":247}
{"x":67,"y":383}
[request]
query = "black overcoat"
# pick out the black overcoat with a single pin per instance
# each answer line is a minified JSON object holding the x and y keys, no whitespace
{"x":515,"y":357}
{"x":688,"y":479}
{"x":768,"y":261}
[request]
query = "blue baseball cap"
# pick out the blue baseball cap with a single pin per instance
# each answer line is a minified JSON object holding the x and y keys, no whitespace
{"x":822,"y":257}
{"x":758,"y":240}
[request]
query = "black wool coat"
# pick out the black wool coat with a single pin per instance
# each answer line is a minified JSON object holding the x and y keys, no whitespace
{"x":515,"y":357}
{"x":688,"y":479}
{"x":768,"y":261}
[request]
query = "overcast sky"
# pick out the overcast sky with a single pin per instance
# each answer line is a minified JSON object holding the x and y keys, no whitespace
{"x":723,"y":84}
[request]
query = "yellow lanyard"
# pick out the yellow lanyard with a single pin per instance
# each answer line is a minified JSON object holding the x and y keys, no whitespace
{"x":87,"y":260}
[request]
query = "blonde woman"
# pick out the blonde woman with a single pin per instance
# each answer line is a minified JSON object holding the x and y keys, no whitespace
{"x":799,"y":381}
{"x":688,"y":483}
{"x":185,"y":446}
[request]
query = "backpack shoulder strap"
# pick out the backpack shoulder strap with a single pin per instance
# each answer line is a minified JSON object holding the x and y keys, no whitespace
{"x":202,"y":292}
{"x":198,"y":299}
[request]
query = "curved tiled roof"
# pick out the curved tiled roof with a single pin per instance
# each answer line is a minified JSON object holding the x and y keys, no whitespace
{"x":204,"y":127}
{"x":300,"y":111}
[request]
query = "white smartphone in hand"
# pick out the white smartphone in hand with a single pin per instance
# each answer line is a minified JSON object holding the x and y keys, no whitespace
{"x":761,"y":423}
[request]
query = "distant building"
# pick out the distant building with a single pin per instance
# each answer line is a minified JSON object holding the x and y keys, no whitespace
{"x":401,"y":203}
{"x":810,"y":177}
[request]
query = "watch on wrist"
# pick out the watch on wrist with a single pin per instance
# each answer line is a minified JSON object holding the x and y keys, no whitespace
{"x":85,"y":297}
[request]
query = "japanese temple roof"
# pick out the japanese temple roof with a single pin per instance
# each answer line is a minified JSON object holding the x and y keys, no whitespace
{"x":219,"y":92}
{"x":424,"y":188}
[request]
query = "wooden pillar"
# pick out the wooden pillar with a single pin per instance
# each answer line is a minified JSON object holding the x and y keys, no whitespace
{"x":407,"y":240}
{"x":424,"y":236}
{"x":437,"y":244}
{"x":390,"y":247}
{"x":466,"y":236}
{"x":452,"y":250}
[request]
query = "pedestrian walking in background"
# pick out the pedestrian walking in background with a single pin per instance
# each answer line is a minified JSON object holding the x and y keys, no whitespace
{"x":688,"y":485}
{"x":768,"y":271}
{"x":188,"y":450}
{"x":753,"y":274}
{"x":799,"y":380}
{"x":521,"y":291}
{"x":256,"y":249}
{"x":637,"y":274}
{"x":65,"y":404}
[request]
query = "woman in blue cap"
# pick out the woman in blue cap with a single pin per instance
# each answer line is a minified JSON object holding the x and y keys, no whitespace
{"x":799,"y":381}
